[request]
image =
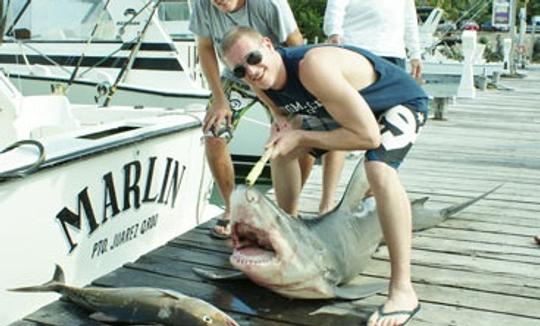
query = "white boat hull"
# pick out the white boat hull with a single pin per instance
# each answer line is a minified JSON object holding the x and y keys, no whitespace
{"x":111,"y":196}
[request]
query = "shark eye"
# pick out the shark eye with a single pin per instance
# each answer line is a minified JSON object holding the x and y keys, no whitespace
{"x":207,"y":320}
{"x":251,"y":196}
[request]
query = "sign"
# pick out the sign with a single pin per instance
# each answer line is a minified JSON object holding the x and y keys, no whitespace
{"x":500,"y":17}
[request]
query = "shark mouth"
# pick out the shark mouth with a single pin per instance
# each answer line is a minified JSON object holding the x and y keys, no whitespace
{"x":252,"y":246}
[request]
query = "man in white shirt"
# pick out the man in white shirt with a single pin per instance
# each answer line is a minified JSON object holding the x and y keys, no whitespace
{"x":385,"y":27}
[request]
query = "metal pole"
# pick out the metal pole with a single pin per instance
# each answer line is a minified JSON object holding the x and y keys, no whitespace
{"x":512,"y":63}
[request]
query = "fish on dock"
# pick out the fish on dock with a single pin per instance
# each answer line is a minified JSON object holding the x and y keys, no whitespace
{"x":315,"y":258}
{"x":136,"y":305}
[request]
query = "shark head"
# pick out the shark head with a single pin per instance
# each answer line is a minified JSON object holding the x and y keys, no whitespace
{"x":272,"y":248}
{"x":296,"y":257}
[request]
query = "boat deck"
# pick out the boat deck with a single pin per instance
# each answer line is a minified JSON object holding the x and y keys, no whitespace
{"x":481,"y":267}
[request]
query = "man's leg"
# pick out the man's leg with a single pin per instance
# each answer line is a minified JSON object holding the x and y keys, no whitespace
{"x":221,"y":166}
{"x":332,"y":166}
{"x":286,"y":178}
{"x":395,"y":217}
{"x":306,"y":164}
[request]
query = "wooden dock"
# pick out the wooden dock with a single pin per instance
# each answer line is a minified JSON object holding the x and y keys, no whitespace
{"x":479,"y":268}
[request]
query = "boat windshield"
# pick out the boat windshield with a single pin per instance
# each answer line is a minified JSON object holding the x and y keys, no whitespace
{"x":48,"y":20}
{"x":174,"y":16}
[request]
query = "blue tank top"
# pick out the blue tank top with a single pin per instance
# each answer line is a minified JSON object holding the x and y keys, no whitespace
{"x":393,"y":86}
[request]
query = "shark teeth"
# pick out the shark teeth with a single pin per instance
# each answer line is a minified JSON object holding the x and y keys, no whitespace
{"x":252,"y":256}
{"x":252,"y":246}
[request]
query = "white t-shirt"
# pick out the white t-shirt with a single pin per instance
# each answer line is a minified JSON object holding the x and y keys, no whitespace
{"x":384,"y":27}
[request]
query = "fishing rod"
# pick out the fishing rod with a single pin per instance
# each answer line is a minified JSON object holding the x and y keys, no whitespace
{"x":92,"y":34}
{"x":3,"y":20}
{"x":131,"y":58}
{"x":121,"y":31}
{"x":19,"y":15}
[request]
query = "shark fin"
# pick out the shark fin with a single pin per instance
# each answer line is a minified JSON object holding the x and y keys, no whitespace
{"x":356,"y":188}
{"x":426,"y":218}
{"x":359,"y":291}
{"x":55,"y":284}
{"x":103,"y":317}
{"x":340,"y":309}
{"x":419,"y":201}
{"x":224,"y":275}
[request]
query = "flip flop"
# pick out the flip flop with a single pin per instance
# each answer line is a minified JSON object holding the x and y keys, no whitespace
{"x":410,"y":313}
{"x":217,"y":235}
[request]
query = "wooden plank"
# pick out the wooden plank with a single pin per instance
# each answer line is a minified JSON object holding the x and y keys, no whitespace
{"x":469,"y":263}
{"x":493,"y":283}
{"x":437,"y":314}
{"x":466,"y":235}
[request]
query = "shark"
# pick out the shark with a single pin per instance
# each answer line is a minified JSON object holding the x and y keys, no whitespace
{"x":136,"y":305}
{"x":314,"y":258}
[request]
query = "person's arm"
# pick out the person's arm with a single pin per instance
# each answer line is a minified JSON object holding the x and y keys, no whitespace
{"x":412,"y":38}
{"x":219,"y":108}
{"x":331,"y":75}
{"x":334,"y":16}
{"x":295,"y":38}
{"x":280,"y":121}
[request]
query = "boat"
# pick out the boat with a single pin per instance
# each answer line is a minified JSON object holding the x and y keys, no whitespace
{"x":102,"y":46}
{"x":140,"y":50}
{"x":434,"y":62}
{"x":92,"y":188}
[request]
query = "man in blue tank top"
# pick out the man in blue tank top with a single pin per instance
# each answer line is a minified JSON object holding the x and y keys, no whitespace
{"x":339,"y":98}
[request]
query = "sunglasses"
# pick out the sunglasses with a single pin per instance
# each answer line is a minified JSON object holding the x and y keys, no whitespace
{"x":252,"y":58}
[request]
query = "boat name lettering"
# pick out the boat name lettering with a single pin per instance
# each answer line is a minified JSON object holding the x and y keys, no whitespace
{"x":127,"y":22}
{"x":158,"y":182}
{"x":102,"y":246}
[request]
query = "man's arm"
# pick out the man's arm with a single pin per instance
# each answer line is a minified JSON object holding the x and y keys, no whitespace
{"x":412,"y":38}
{"x":295,"y":38}
{"x":219,"y":108}
{"x":281,"y":121}
{"x":334,"y":16}
{"x":334,"y":77}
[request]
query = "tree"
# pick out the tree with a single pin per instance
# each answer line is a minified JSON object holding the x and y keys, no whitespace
{"x":309,"y":15}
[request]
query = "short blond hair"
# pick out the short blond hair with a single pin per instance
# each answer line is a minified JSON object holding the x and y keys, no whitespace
{"x":234,"y":34}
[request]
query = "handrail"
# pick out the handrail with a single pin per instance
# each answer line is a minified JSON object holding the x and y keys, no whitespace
{"x":30,"y":169}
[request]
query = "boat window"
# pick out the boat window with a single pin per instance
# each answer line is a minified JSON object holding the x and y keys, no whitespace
{"x":174,"y":16}
{"x":174,"y":11}
{"x":46,"y":21}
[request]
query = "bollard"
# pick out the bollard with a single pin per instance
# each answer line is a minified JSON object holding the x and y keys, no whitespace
{"x":466,"y":84}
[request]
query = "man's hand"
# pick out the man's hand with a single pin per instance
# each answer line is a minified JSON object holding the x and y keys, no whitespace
{"x":281,"y":123}
{"x":285,"y":142}
{"x":218,"y":111}
{"x":416,"y":68}
{"x":334,"y":39}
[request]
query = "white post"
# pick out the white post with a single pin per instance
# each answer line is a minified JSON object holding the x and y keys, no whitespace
{"x":466,"y":84}
{"x":507,"y":49}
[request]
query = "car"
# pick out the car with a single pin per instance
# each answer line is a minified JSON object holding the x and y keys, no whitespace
{"x":446,"y":26}
{"x":470,"y":25}
{"x":488,"y":27}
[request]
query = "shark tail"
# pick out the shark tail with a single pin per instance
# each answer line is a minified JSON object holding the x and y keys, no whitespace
{"x":425,"y":219}
{"x":356,"y":188}
{"x":452,"y":210}
{"x":54,"y":285}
